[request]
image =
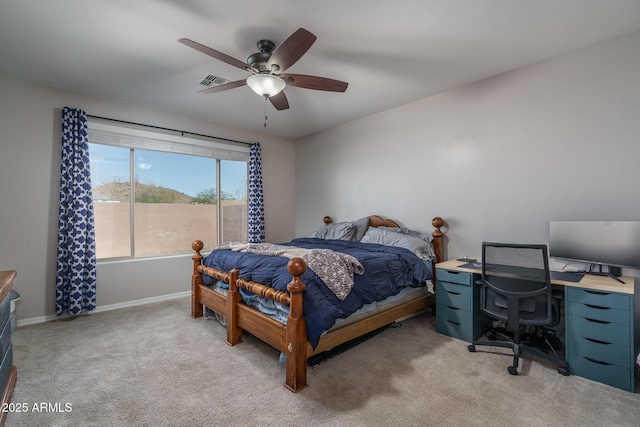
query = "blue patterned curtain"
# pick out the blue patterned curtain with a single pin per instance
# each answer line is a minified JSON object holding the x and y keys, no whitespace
{"x":256,"y":199}
{"x":76,"y":263}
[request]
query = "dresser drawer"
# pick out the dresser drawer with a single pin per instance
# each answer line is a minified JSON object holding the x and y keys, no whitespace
{"x":5,"y":366}
{"x":612,"y":333}
{"x":453,"y":295}
{"x":5,"y":310}
{"x":453,"y":276}
{"x":600,"y":351}
{"x":599,"y":298}
{"x":612,"y":375}
{"x":5,"y":337}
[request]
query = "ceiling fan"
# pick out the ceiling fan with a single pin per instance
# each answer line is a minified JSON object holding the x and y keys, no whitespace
{"x":266,"y":68}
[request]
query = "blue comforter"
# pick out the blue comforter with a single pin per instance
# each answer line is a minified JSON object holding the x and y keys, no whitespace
{"x":387,"y":270}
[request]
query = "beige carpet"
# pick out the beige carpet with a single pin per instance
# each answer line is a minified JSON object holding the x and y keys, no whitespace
{"x":155,"y":366}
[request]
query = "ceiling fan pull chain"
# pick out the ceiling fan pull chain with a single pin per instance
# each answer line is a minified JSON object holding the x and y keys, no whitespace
{"x":265,"y":111}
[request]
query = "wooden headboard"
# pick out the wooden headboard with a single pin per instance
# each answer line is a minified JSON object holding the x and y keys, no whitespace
{"x":437,"y":222}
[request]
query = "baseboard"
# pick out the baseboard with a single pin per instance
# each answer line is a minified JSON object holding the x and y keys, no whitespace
{"x":109,"y":307}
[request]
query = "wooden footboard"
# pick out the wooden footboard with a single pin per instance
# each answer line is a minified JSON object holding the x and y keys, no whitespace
{"x":291,"y":339}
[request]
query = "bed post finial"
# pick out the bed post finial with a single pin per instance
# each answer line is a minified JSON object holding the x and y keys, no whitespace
{"x":437,"y":222}
{"x":197,"y":246}
{"x":197,"y":257}
{"x":327,"y":220}
{"x":296,"y":268}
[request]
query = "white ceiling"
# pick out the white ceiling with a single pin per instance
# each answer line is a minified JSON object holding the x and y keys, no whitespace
{"x":390,"y":52}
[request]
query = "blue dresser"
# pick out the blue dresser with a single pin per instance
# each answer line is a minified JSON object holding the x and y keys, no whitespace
{"x":8,"y":372}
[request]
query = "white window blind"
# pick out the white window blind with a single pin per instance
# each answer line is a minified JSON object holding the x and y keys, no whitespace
{"x":133,"y":137}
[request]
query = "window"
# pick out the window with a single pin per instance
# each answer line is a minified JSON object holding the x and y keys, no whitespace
{"x":155,"y":193}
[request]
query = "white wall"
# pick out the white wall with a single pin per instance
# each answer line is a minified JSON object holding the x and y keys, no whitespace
{"x":496,"y":159}
{"x":30,"y":128}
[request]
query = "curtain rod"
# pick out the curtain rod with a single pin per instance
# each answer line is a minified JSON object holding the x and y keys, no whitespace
{"x":182,"y":132}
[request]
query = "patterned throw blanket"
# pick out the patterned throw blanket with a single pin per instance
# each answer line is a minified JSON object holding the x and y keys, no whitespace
{"x":336,"y":269}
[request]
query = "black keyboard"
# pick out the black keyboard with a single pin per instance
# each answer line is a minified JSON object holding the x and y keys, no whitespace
{"x":566,"y":276}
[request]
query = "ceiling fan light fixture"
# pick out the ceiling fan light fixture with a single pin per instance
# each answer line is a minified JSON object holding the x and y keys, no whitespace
{"x":266,"y":84}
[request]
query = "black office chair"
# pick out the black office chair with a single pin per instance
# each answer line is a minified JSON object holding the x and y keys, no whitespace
{"x":516,"y":288}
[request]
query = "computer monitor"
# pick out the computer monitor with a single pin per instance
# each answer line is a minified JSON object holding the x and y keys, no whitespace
{"x":613,"y":244}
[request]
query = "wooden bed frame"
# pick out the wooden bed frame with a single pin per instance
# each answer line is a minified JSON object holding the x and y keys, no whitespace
{"x":292,"y":337}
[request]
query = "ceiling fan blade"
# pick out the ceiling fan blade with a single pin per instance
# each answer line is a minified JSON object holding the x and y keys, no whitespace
{"x":314,"y":82}
{"x":218,"y":55}
{"x":225,"y":86}
{"x":291,"y":50}
{"x":279,"y":101}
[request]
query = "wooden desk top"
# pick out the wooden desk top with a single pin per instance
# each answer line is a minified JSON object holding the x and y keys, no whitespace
{"x":598,"y":283}
{"x":6,"y":281}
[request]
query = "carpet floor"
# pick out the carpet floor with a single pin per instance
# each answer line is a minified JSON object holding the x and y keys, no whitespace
{"x":154,"y":365}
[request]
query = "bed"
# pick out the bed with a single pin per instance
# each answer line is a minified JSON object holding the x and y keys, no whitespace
{"x":229,"y":279}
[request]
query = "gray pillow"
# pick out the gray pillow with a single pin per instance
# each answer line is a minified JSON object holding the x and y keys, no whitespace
{"x":384,"y":236}
{"x":337,"y":231}
{"x":361,"y":225}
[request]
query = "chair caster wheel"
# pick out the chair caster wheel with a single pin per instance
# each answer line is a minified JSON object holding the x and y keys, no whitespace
{"x":472,"y":348}
{"x":512,"y":370}
{"x":563,"y":370}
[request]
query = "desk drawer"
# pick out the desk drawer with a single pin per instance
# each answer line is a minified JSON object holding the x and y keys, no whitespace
{"x":453,"y":329}
{"x":599,"y":351}
{"x":453,"y":276}
{"x":612,"y":375}
{"x":599,"y":298}
{"x":454,"y":323}
{"x":612,"y":333}
{"x":454,"y":314}
{"x":603,"y":314}
{"x":453,"y":295}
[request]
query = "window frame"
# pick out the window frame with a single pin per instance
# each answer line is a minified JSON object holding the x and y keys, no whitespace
{"x":133,"y":137}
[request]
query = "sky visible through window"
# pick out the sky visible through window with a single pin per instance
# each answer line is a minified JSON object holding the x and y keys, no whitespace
{"x":187,"y":174}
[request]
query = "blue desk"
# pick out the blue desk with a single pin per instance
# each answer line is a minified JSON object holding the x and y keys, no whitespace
{"x":600,"y":342}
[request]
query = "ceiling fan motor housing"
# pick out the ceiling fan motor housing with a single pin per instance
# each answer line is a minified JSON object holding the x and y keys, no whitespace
{"x":259,"y":60}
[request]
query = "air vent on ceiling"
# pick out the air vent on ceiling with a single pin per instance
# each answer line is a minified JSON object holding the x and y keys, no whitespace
{"x":211,"y":80}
